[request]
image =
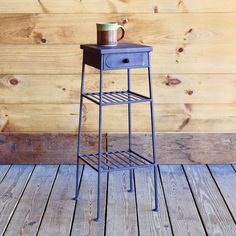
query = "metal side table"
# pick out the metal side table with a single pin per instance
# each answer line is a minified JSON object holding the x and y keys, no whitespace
{"x":122,"y":56}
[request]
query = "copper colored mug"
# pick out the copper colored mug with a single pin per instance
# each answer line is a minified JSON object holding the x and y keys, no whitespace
{"x":107,"y":33}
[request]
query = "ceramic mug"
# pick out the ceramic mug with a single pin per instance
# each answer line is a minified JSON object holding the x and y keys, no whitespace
{"x":107,"y":33}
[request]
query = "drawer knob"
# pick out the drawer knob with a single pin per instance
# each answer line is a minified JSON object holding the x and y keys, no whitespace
{"x":126,"y":60}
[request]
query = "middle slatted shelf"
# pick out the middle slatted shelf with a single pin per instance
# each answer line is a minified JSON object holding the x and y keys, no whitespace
{"x":116,"y":97}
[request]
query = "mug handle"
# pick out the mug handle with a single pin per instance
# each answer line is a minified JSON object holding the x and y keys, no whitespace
{"x":123,"y":32}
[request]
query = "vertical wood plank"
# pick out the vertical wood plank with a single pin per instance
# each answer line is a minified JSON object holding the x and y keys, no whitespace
{"x":215,"y":215}
{"x":11,"y":189}
{"x":225,"y":177}
{"x":183,"y":213}
{"x":234,"y":166}
{"x":59,"y":212}
{"x":28,"y":214}
{"x":121,"y":207}
{"x":150,"y":223}
{"x":3,"y":171}
{"x":86,"y":208}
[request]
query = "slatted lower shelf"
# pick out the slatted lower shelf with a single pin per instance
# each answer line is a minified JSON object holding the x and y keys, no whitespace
{"x":116,"y":160}
{"x":116,"y":97}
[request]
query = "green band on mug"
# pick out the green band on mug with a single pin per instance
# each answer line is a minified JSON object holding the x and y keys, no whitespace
{"x":107,"y":26}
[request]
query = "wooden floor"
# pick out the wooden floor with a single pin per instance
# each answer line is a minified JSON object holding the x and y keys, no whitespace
{"x":193,"y":199}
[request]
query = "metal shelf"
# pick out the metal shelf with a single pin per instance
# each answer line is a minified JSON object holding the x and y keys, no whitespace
{"x":116,"y":160}
{"x":116,"y":97}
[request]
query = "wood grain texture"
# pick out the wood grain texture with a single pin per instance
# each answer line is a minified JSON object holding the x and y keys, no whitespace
{"x":174,"y":182}
{"x":66,"y":59}
{"x":193,"y":63}
{"x":172,"y":148}
{"x":162,"y":28}
{"x":90,"y":6}
{"x":225,"y":177}
{"x":11,"y":189}
{"x":182,"y":210}
{"x":177,"y":148}
{"x":3,"y":121}
{"x":49,"y":59}
{"x":40,"y":88}
{"x":210,"y":203}
{"x":59,"y":213}
{"x":35,"y":117}
{"x":3,"y":171}
{"x":65,"y":89}
{"x":192,"y":58}
{"x":59,"y":118}
{"x":121,"y":208}
{"x":86,"y":208}
{"x":150,"y":223}
{"x":29,"y":212}
{"x":46,"y":148}
{"x":71,"y":6}
{"x":177,"y":88}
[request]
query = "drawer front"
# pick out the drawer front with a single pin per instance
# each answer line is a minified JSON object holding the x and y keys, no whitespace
{"x":125,"y":60}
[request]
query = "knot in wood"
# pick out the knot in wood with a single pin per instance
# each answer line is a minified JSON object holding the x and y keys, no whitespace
{"x":43,"y":40}
{"x":14,"y":81}
{"x":125,"y":21}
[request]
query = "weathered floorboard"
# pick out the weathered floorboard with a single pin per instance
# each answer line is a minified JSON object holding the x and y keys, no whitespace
{"x":30,"y":209}
{"x":59,"y":212}
{"x":121,"y":207}
{"x":86,"y":208}
{"x":22,"y":206}
{"x":225,"y":177}
{"x":183,"y":213}
{"x":150,"y":223}
{"x":11,"y":190}
{"x":211,"y":206}
{"x":3,"y":170}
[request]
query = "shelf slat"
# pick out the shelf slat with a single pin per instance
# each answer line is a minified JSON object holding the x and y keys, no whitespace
{"x":116,"y":160}
{"x":116,"y":97}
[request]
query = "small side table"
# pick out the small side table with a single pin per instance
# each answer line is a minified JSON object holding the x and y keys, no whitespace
{"x":122,"y":56}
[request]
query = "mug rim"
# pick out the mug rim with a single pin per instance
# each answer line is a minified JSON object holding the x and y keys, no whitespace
{"x":107,"y":23}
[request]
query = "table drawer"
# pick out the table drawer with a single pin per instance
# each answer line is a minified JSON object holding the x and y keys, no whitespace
{"x":125,"y":60}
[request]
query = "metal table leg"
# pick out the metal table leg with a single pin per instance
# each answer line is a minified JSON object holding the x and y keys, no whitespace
{"x":100,"y":145}
{"x":153,"y":135}
{"x":79,"y":133}
{"x":130,"y":134}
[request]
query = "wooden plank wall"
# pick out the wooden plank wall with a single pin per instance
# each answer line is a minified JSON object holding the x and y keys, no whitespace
{"x":193,"y":64}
